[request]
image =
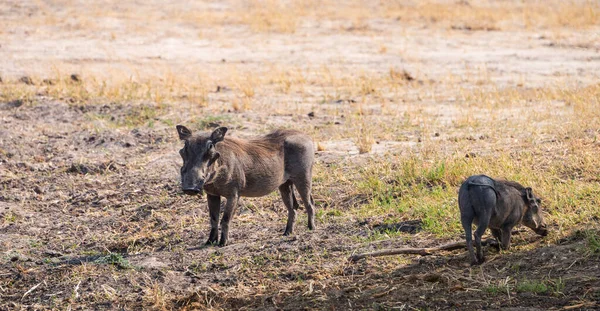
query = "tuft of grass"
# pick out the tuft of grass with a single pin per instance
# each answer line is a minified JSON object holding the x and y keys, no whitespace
{"x":155,"y":294}
{"x":532,"y":286}
{"x":240,"y":104}
{"x":364,"y":139}
{"x":10,"y":217}
{"x":592,"y":241}
{"x":210,"y":121}
{"x":553,"y":287}
{"x":503,"y":286}
{"x":114,"y":259}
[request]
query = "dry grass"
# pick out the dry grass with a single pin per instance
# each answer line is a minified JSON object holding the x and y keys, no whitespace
{"x":288,"y":16}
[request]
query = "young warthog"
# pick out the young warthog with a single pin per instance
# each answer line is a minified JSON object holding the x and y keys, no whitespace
{"x":230,"y":167}
{"x":497,"y":204}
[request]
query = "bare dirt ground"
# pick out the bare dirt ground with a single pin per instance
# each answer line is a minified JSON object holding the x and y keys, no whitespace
{"x":404,"y":100}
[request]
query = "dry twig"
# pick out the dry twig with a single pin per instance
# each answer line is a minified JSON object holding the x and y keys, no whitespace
{"x":417,"y":251}
{"x":31,"y":290}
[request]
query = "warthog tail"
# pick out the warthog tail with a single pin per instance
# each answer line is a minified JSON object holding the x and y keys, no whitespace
{"x":485,"y":185}
{"x":295,"y":202}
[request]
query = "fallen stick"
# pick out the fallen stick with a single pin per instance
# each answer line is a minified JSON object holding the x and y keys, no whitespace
{"x":418,"y":251}
{"x":31,"y":290}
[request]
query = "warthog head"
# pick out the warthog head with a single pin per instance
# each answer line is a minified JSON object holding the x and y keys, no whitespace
{"x":533,"y":216}
{"x":199,"y":157}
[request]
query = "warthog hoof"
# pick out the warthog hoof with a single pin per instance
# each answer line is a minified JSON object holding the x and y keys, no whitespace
{"x":192,"y":191}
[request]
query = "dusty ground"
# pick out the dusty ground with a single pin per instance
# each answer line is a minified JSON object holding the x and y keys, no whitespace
{"x":404,"y":101}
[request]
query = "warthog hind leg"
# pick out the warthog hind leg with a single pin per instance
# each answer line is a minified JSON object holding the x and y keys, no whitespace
{"x":467,"y":223}
{"x":304,"y":186}
{"x":287,"y":195}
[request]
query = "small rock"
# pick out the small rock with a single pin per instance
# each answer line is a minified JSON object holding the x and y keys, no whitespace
{"x":78,"y":168}
{"x":103,"y":202}
{"x":75,"y":78}
{"x":53,"y":253}
{"x":436,"y":134}
{"x":15,"y":103}
{"x":222,"y":89}
{"x":27,"y":80}
{"x":432,"y":277}
{"x":407,"y":76}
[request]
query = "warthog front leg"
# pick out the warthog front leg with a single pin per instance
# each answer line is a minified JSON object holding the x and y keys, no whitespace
{"x":230,"y":208}
{"x":214,"y":208}
{"x":498,"y":236}
{"x":506,"y":233}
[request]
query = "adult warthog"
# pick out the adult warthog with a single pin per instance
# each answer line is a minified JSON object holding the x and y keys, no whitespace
{"x":231,"y":167}
{"x":499,"y":205}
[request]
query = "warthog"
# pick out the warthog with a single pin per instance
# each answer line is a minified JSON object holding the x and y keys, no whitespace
{"x":231,"y":167}
{"x":499,"y":205}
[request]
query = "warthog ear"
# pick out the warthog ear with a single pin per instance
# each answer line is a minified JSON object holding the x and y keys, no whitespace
{"x":529,"y":194}
{"x":218,"y":134}
{"x":184,"y":132}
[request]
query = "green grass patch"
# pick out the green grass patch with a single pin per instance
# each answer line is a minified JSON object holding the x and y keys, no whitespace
{"x":593,"y":242}
{"x":549,"y":286}
{"x":114,"y":259}
{"x":496,"y":289}
{"x":528,"y":286}
{"x":427,"y":189}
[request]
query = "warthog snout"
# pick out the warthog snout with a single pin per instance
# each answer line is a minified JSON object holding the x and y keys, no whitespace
{"x":193,"y":189}
{"x":542,"y":230}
